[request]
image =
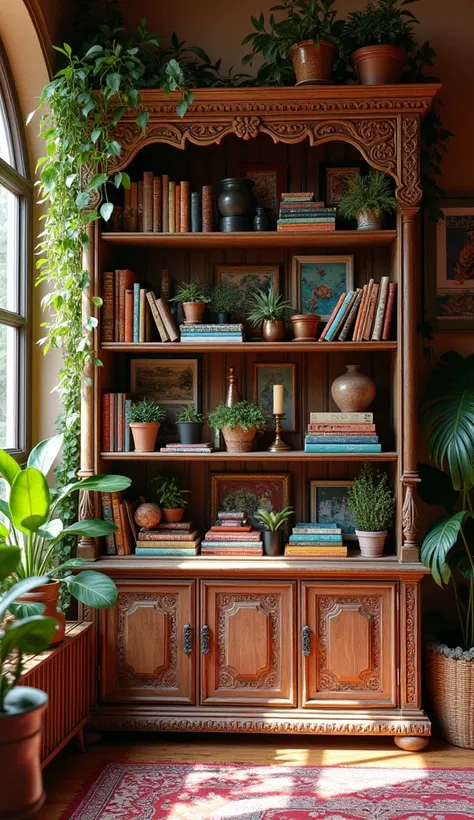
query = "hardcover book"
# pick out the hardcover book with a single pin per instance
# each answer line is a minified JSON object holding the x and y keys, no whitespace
{"x":352,"y":418}
{"x":343,"y":448}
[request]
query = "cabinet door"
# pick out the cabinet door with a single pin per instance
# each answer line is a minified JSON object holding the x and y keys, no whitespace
{"x":348,"y":644}
{"x":149,"y":642}
{"x":247,"y":643}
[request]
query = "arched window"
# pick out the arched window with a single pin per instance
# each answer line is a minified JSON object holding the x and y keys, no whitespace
{"x":15,"y":266}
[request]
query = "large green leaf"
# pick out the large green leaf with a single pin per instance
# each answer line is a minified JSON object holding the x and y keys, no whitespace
{"x":94,"y":527}
{"x":44,"y":454}
{"x":26,"y":610}
{"x":93,"y":589}
{"x":447,"y":418}
{"x":5,"y":510}
{"x":9,"y":468}
{"x":9,"y":558}
{"x":19,"y":589}
{"x":438,"y":542}
{"x":29,"y":500}
{"x":31,"y":634}
{"x":100,"y":483}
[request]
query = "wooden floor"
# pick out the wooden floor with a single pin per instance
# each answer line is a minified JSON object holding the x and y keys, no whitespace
{"x":65,"y":776}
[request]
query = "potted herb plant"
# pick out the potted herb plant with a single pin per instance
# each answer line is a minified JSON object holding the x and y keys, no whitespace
{"x":308,"y":33}
{"x":171,"y":497}
{"x":189,"y":423}
{"x":267,"y":310}
{"x":447,"y":422}
{"x":193,"y":299}
{"x":239,"y":424}
{"x":224,"y":301}
{"x":367,"y":199}
{"x":144,"y":418}
{"x":371,"y":503}
{"x":380,"y":38}
{"x":273,"y":536}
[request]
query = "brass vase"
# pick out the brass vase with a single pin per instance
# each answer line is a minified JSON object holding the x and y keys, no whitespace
{"x":274,"y":330}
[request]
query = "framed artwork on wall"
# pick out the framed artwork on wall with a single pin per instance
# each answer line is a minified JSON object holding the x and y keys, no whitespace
{"x":449,"y":266}
{"x":328,"y":504}
{"x":174,"y":383}
{"x":318,"y":281}
{"x":248,"y":492}
{"x":265,"y":375}
{"x":248,"y":279}
{"x":270,"y":182}
{"x":335,"y":178}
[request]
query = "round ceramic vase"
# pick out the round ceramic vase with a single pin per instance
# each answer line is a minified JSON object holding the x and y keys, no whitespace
{"x":353,"y":391}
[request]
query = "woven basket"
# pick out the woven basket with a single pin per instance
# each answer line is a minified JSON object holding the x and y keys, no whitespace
{"x":238,"y":440}
{"x":451,"y":688}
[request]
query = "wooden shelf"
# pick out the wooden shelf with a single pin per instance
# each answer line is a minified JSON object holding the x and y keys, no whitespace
{"x":264,"y":455}
{"x":246,"y":347}
{"x":251,"y":239}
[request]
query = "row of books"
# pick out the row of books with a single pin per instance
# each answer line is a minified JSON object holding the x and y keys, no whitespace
{"x":116,"y":437}
{"x":341,"y":433}
{"x":169,"y":539}
{"x":119,"y":511}
{"x":212,"y":333}
{"x":363,"y":314}
{"x":232,"y":535}
{"x":129,"y":310}
{"x":300,"y":212}
{"x":157,"y":204}
{"x":313,"y":540}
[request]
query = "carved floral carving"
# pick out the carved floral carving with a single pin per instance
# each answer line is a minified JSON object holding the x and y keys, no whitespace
{"x":166,"y":604}
{"x":409,"y":191}
{"x":246,"y":127}
{"x":369,"y":679}
{"x":410,"y":643}
{"x":410,"y":513}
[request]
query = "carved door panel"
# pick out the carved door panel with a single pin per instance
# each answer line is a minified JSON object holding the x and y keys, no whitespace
{"x":149,"y":643}
{"x":247,"y":643}
{"x":348,"y":644}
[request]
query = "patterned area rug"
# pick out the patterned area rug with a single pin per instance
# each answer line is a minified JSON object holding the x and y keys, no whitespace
{"x":181,"y":791}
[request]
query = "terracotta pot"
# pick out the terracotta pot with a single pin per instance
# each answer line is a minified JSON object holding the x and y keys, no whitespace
{"x":22,"y":794}
{"x":313,"y":64}
{"x":238,"y":440}
{"x":172,"y":516}
{"x":274,"y":330}
{"x":371,"y":543}
{"x":305,"y":326}
{"x":189,"y":432}
{"x":193,"y":312}
{"x":144,"y":436}
{"x":48,"y":595}
{"x":273,"y":542}
{"x":353,"y":391}
{"x":379,"y":65}
{"x":369,"y":221}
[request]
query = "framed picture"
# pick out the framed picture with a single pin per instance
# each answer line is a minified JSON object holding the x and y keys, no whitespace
{"x":174,"y":383}
{"x":248,"y":492}
{"x":449,"y":266}
{"x":265,"y":375}
{"x":328,"y":504}
{"x":318,"y":281}
{"x":270,"y":182}
{"x":248,"y":279}
{"x":334,"y":180}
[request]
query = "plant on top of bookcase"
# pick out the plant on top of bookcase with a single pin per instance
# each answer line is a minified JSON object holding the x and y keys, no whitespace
{"x":371,"y":504}
{"x":192,"y":296}
{"x":144,"y":418}
{"x":171,"y":497}
{"x":224,"y":301}
{"x":273,"y":523}
{"x":189,"y":423}
{"x":268,"y":310}
{"x":367,"y":199}
{"x":239,"y":424}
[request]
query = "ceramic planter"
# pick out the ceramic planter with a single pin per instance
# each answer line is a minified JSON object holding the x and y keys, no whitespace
{"x":144,"y":435}
{"x":369,"y":221}
{"x":313,"y":64}
{"x":274,"y":330}
{"x":236,"y":197}
{"x":48,"y":595}
{"x":371,"y":543}
{"x":223,"y":318}
{"x":273,"y":542}
{"x":238,"y":440}
{"x":193,"y":312}
{"x":190,"y":432}
{"x":172,"y":516}
{"x":21,"y":794}
{"x":379,"y":65}
{"x":353,"y":391}
{"x":305,"y":326}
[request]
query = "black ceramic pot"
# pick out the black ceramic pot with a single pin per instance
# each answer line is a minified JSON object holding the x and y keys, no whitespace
{"x":237,"y":197}
{"x":231,"y":224}
{"x":262,"y":221}
{"x":273,"y":542}
{"x":223,"y":318}
{"x":190,"y":432}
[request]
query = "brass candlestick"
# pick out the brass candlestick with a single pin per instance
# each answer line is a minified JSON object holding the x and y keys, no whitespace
{"x":278,"y":445}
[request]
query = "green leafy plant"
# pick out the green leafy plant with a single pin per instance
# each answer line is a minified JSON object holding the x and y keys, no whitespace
{"x":272,"y":520}
{"x":243,"y":414}
{"x":368,"y":193}
{"x":381,"y":22}
{"x":224,"y":299}
{"x":190,"y":292}
{"x":267,"y":306}
{"x":145,"y":412}
{"x":170,"y":492}
{"x":447,"y":422}
{"x":189,"y":414}
{"x":370,"y":501}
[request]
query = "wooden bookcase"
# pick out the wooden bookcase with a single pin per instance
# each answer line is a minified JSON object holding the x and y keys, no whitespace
{"x":173,"y":654}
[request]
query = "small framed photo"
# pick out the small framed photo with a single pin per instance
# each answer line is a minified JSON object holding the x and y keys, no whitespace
{"x":265,"y":375}
{"x":249,"y":492}
{"x":328,"y":504}
{"x":246,"y":280}
{"x":449,"y":271}
{"x":174,"y":383}
{"x":318,"y":282}
{"x":334,"y":180}
{"x":270,"y":182}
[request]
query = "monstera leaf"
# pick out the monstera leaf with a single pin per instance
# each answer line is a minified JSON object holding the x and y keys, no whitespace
{"x":447,"y":418}
{"x":441,"y":537}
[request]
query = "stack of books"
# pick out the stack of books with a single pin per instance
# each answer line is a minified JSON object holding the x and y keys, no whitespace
{"x":116,"y":436}
{"x":211,"y":334}
{"x":129,"y":310}
{"x":157,"y":204}
{"x":364,"y":314}
{"x":299,"y":212}
{"x":316,"y":541}
{"x":117,"y":510}
{"x":231,"y":535}
{"x":175,"y":539}
{"x":341,"y":433}
{"x":174,"y":447}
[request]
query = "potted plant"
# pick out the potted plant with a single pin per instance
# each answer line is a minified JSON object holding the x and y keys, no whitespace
{"x":305,"y":325}
{"x":239,"y":424}
{"x":447,"y":414}
{"x":171,"y":497}
{"x":379,"y":39}
{"x":189,"y":423}
{"x":144,"y":418}
{"x":224,"y":301}
{"x":193,"y":299}
{"x":268,"y":310}
{"x":273,"y":536}
{"x":371,"y":503}
{"x":308,"y":33}
{"x":367,"y":199}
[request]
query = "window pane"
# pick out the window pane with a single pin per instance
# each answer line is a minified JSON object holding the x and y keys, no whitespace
{"x":9,"y":396}
{"x":9,"y":248}
{"x":6,"y":152}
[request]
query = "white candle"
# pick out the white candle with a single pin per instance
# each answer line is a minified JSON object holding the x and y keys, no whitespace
{"x":278,"y":399}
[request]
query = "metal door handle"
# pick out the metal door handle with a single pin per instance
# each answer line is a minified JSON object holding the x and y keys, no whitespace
{"x":187,"y":639}
{"x":306,"y":640}
{"x":204,"y":639}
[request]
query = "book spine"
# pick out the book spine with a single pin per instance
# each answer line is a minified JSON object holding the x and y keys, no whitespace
{"x":232,"y":544}
{"x":128,"y":316}
{"x":108,"y":307}
{"x":332,"y":316}
{"x":165,"y":181}
{"x":151,"y":298}
{"x":186,"y":450}
{"x":141,"y":326}
{"x":167,"y":319}
{"x":343,"y":448}
{"x":305,"y":220}
{"x":140,"y":205}
{"x":329,"y":226}
{"x":207,"y":209}
{"x":344,"y":429}
{"x":112,"y":428}
{"x":206,"y":329}
{"x":316,"y":538}
{"x":371,"y":313}
{"x":126,"y":535}
{"x":148,"y":201}
{"x":184,"y":226}
{"x":315,"y":525}
{"x":127,"y":448}
{"x":157,"y":536}
{"x":231,"y":537}
{"x":363,"y":317}
{"x":232,"y":554}
{"x":106,"y":423}
{"x":157,"y":206}
{"x":354,"y":439}
{"x":175,"y":525}
{"x":121,"y":306}
{"x":116,"y":307}
{"x":311,"y":531}
{"x":167,"y":552}
{"x":136,"y":312}
{"x":298,"y":195}
{"x":133,"y":206}
{"x":234,"y":515}
{"x":231,"y":529}
{"x":172,"y":206}
{"x":177,"y":209}
{"x":339,"y":317}
{"x":351,"y":418}
{"x":196,"y":212}
{"x":119,"y":398}
{"x":359,"y":313}
{"x":108,"y":515}
{"x":379,"y":313}
{"x":212,"y":340}
{"x":116,"y":514}
{"x":350,"y":318}
{"x":319,"y":554}
{"x":387,"y":322}
{"x":157,"y":546}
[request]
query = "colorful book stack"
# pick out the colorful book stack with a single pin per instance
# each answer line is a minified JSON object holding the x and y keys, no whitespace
{"x":129,"y":310}
{"x":174,"y":447}
{"x":316,"y":541}
{"x":364,"y":314}
{"x":211,"y":334}
{"x":341,"y":433}
{"x":299,"y":212}
{"x":231,"y":535}
{"x":157,"y":204}
{"x":173,"y":539}
{"x":120,"y":512}
{"x":116,"y":436}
